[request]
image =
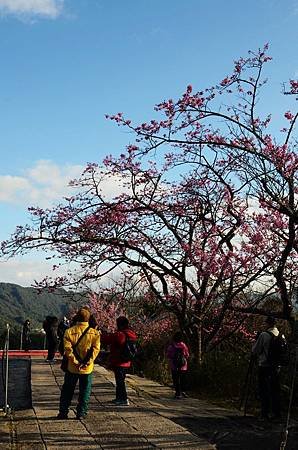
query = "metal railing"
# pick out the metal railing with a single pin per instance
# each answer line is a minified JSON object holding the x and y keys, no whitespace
{"x":5,"y":408}
{"x":39,"y":343}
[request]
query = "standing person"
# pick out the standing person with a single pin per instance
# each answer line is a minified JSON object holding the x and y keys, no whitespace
{"x":268,"y":373}
{"x":50,"y":325}
{"x":80,"y":364}
{"x":118,"y":362}
{"x":26,"y":340}
{"x":62,"y":327}
{"x":178,"y":354}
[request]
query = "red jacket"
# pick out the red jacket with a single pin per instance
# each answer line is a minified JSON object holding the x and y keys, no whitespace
{"x":116,"y":343}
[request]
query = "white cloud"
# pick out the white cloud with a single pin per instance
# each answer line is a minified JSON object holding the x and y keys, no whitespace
{"x":44,"y":8}
{"x":25,"y":271}
{"x":41,"y":185}
{"x":47,"y":183}
{"x":9,"y":185}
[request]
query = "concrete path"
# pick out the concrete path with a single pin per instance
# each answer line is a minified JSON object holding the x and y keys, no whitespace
{"x":153,"y":419}
{"x":145,"y":424}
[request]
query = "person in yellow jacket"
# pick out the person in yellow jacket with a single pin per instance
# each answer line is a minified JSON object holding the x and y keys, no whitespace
{"x":80,"y":364}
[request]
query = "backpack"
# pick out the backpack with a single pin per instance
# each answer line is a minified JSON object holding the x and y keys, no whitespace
{"x":179,"y":359}
{"x":129,"y":350}
{"x":278,"y":352}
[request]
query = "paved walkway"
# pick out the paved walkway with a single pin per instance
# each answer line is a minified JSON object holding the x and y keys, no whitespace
{"x":142,"y":425}
{"x":153,"y":419}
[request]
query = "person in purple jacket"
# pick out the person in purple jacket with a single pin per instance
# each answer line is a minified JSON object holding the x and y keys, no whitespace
{"x":178,"y":354}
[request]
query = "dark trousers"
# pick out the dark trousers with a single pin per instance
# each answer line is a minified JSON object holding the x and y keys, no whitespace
{"x":68,"y":388}
{"x":26,"y":343}
{"x":178,"y":377}
{"x":269,"y":390}
{"x":120,"y":374}
{"x":52,"y":348}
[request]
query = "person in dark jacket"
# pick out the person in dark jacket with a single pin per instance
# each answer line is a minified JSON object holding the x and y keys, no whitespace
{"x":26,"y":335}
{"x":62,"y":327}
{"x":116,"y":341}
{"x":50,"y":326}
{"x":268,"y":374}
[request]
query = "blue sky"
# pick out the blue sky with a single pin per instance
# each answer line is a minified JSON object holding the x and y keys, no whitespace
{"x":65,"y":64}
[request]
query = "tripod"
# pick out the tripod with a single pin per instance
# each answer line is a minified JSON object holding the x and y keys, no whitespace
{"x":247,"y":385}
{"x":286,"y":429}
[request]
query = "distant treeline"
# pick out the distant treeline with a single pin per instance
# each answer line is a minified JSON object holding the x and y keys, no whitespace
{"x":19,"y":303}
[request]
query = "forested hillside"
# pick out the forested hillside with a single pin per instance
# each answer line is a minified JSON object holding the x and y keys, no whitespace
{"x":19,"y":303}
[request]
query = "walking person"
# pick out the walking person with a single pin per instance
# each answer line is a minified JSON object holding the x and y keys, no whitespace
{"x":50,"y":326}
{"x":81,"y":347}
{"x":26,"y":340}
{"x":268,"y":372}
{"x":119,"y":360}
{"x":178,"y":354}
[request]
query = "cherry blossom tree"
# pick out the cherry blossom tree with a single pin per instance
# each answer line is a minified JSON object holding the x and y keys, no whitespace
{"x":222,"y":123}
{"x":145,"y":315}
{"x":210,"y":227}
{"x":194,"y":242}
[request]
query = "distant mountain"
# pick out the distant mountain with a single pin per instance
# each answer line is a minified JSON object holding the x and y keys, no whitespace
{"x":19,"y":303}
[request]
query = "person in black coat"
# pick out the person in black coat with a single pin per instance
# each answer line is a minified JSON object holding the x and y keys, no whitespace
{"x":50,"y":325}
{"x":62,"y":327}
{"x":26,"y":335}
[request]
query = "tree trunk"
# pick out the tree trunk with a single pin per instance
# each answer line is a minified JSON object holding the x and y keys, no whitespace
{"x":196,"y":344}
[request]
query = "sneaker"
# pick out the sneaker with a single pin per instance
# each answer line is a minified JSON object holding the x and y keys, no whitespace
{"x":184,"y":395}
{"x":122,"y":402}
{"x":178,"y":397}
{"x":62,"y":416}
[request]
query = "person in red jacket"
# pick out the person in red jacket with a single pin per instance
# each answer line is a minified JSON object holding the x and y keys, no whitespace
{"x":178,"y":354}
{"x":118,"y":362}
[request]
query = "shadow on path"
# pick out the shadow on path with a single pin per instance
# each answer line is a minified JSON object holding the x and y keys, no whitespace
{"x":240,"y":433}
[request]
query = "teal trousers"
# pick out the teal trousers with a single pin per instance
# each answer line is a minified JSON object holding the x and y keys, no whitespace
{"x":68,"y":388}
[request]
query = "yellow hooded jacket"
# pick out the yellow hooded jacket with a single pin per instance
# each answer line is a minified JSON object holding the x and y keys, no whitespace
{"x":91,"y":341}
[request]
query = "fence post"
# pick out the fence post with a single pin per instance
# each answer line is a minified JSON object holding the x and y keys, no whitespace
{"x":6,"y":407}
{"x":21,"y":340}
